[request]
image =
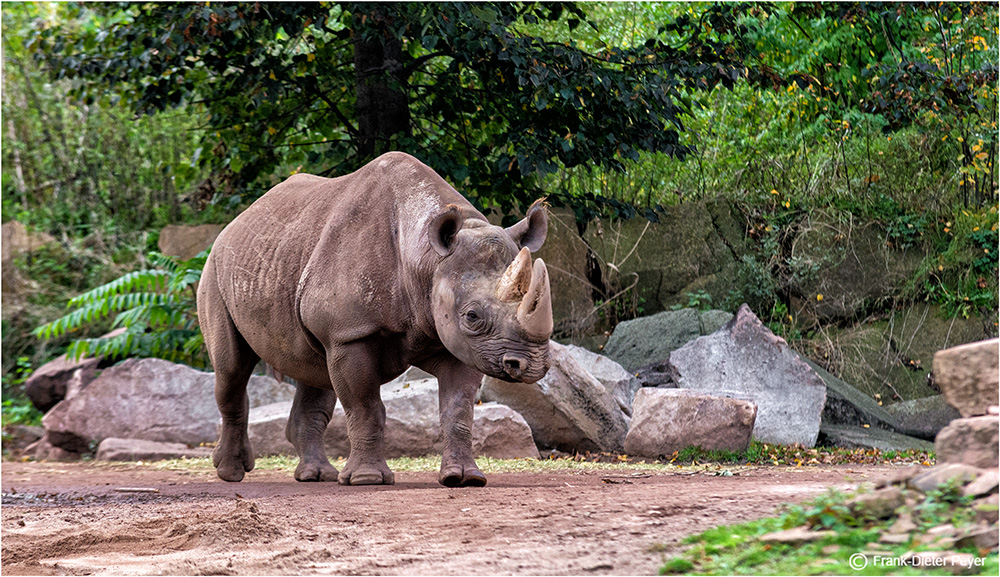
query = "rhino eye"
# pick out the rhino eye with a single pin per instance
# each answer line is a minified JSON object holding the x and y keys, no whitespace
{"x":474,"y":320}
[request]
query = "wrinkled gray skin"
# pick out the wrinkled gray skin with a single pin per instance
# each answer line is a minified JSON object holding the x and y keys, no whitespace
{"x":342,"y":283}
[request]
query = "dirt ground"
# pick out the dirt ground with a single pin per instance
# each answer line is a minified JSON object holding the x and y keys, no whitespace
{"x":76,"y":519}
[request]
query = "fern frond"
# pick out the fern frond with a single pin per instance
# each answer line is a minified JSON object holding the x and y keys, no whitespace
{"x":140,"y":280}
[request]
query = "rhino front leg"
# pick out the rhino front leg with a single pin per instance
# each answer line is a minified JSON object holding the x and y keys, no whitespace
{"x":311,"y":412}
{"x":457,"y":386}
{"x":355,"y":377}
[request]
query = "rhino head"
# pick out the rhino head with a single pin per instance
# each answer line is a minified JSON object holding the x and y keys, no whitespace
{"x":491,"y":306}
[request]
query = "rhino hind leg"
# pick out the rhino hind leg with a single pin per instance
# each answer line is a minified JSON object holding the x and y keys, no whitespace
{"x":233,"y":361}
{"x":311,"y":412}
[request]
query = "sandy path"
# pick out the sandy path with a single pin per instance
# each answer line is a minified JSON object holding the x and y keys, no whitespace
{"x":72,"y":519}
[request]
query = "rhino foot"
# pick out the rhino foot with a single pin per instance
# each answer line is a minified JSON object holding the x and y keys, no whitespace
{"x":232,"y":465}
{"x":315,"y":472}
{"x":366,"y":474}
{"x":457,"y":475}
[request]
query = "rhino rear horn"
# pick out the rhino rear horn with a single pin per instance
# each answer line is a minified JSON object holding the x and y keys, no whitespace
{"x":534,"y":314}
{"x":516,"y":280}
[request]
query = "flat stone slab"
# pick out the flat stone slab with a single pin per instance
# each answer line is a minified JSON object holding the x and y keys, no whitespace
{"x":940,"y":474}
{"x":114,"y":449}
{"x":862,"y":438}
{"x":796,"y":535}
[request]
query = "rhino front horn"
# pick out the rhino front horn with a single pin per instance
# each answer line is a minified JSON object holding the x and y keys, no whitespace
{"x":516,"y":279}
{"x":534,"y":314}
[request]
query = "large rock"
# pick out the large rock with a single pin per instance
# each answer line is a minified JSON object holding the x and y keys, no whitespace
{"x":186,"y":241}
{"x":668,"y":420}
{"x":972,"y":441}
{"x":616,"y":380}
{"x":63,"y":377}
{"x":645,"y":340}
{"x":694,"y":247}
{"x":849,"y":437}
{"x":501,"y":433}
{"x":892,"y":357}
{"x":746,"y":358}
{"x":568,"y":409}
{"x":848,"y":263}
{"x":412,"y":427}
{"x":924,"y":417}
{"x":112,"y":449}
{"x":148,"y":399}
{"x":49,"y":384}
{"x":968,"y":376}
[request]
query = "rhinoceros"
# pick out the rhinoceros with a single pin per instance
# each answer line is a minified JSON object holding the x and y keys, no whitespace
{"x":341,"y":283}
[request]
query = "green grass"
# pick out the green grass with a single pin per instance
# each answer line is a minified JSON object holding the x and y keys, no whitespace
{"x":738,"y":550}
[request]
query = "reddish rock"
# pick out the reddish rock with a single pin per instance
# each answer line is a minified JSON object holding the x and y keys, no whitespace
{"x":974,"y":441}
{"x":668,"y":420}
{"x":968,"y":376}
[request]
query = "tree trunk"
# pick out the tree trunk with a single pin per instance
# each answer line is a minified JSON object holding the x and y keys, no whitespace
{"x":382,"y":107}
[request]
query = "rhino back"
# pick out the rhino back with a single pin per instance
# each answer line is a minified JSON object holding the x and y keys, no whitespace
{"x":317,"y":261}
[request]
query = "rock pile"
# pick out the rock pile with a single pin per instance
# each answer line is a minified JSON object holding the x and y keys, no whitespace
{"x":718,"y":390}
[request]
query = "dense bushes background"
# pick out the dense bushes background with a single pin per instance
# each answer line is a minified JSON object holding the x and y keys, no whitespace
{"x":121,"y":118}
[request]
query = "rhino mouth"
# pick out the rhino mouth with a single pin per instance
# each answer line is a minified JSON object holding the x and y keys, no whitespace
{"x":515,"y":366}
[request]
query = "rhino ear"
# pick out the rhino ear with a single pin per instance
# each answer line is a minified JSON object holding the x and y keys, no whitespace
{"x":531,"y":231}
{"x":444,"y":229}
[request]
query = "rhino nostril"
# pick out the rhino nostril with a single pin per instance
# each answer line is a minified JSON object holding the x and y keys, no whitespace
{"x":513,"y":365}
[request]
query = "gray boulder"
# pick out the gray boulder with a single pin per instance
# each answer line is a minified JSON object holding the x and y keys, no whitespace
{"x":923,"y":418}
{"x":711,"y":321}
{"x":63,"y":377}
{"x":616,"y":380}
{"x":969,"y":375}
{"x":646,"y":340}
{"x":501,"y":433}
{"x":668,"y":420}
{"x":112,"y":449}
{"x":849,"y":437}
{"x":568,"y":409}
{"x":412,"y":427}
{"x":745,"y":357}
{"x":148,"y":399}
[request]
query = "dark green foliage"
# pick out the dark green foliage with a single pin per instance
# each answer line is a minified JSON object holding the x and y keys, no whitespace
{"x":460,"y":86}
{"x":17,"y":409}
{"x":156,"y":307}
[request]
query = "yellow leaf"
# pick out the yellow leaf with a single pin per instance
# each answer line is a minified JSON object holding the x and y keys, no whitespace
{"x":310,"y":57}
{"x":774,"y":191}
{"x":272,"y":76}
